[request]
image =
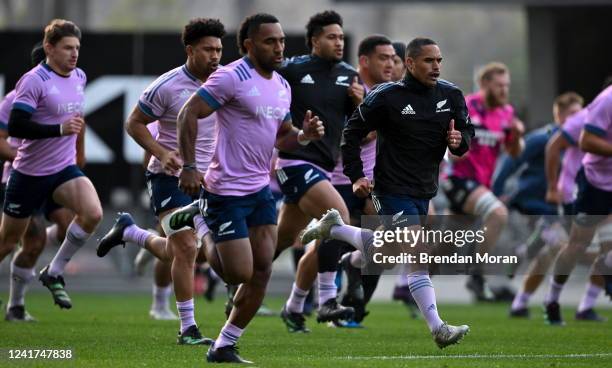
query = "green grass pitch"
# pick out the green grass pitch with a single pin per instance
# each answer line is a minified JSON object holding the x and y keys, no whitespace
{"x":111,"y":330}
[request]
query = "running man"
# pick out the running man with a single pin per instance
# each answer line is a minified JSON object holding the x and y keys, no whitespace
{"x":415,"y":122}
{"x":468,"y":186}
{"x":376,"y":65}
{"x":35,"y":237}
{"x":47,"y":114}
{"x":322,"y":83}
{"x":252,"y":103}
{"x":162,"y":101}
{"x":593,"y":202}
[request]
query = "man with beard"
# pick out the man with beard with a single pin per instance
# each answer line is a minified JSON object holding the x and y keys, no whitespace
{"x":468,"y":186}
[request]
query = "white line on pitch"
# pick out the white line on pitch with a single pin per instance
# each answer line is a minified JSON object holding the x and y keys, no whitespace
{"x":478,"y":356}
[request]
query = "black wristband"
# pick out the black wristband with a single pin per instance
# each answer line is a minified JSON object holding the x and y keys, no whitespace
{"x":191,"y":166}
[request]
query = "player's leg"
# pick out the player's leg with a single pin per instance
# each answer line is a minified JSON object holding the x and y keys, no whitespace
{"x":596,"y":284}
{"x":60,"y":218}
{"x":162,"y":289}
{"x":482,"y":203}
{"x":315,"y":202}
{"x":22,"y":269}
{"x":592,"y":207}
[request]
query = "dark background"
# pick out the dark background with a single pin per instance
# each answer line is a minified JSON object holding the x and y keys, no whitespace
{"x":118,"y":54}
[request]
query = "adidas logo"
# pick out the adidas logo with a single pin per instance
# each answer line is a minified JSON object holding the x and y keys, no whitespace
{"x":54,"y":91}
{"x":408,"y":110}
{"x":185,"y":93}
{"x":254,"y":92}
{"x":307,"y":79}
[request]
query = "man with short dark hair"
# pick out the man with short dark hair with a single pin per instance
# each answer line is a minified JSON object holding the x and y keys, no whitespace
{"x":162,"y":101}
{"x":251,"y":101}
{"x":322,"y":83}
{"x":399,"y":61}
{"x":415,"y":121}
{"x":376,"y":55}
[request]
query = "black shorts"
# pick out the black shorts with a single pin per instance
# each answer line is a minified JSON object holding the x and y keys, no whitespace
{"x":457,"y":190}
{"x":295,"y":181}
{"x":25,"y":194}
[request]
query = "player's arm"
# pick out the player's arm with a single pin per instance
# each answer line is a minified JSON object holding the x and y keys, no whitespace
{"x":552,"y":162}
{"x":289,"y":138}
{"x":515,"y":143}
{"x":363,"y":121}
{"x":29,"y":92}
{"x":136,"y":127}
{"x":461,"y":123}
{"x":20,"y":125}
{"x":7,"y":153}
{"x":511,"y":164}
{"x":197,"y":107}
{"x":593,"y":141}
{"x":80,"y":148}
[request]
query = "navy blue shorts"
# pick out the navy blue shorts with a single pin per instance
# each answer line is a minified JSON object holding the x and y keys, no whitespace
{"x":230,"y":217}
{"x":165,"y":193}
{"x":591,"y":200}
{"x":25,"y":194}
{"x":295,"y":181}
{"x":354,"y":204}
{"x":400,"y":210}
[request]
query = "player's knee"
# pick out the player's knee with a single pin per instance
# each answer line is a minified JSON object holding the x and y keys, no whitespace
{"x":488,"y":207}
{"x":500,"y":214}
{"x":237,"y":277}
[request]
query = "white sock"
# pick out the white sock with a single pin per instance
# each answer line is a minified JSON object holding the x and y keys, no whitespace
{"x":590,"y":297}
{"x":521,"y":300}
{"x":136,"y":235}
{"x":554,"y":291}
{"x":327,"y":286}
{"x":52,"y":240}
{"x":423,"y":293}
{"x":402,"y":278}
{"x":229,"y":335}
{"x":295,"y":303}
{"x":357,"y":260}
{"x":608,"y":260}
{"x":355,"y":236}
{"x":75,"y":239}
{"x":161,"y":297}
{"x":200,"y":226}
{"x":20,"y":278}
{"x":185,"y":311}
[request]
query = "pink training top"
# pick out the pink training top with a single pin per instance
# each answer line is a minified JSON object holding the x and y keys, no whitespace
{"x":490,"y":127}
{"x":368,"y":158}
{"x":51,"y":99}
{"x":598,"y":169}
{"x":163,"y":100}
{"x":250,"y":110}
{"x":572,"y":157}
{"x":5,"y":113}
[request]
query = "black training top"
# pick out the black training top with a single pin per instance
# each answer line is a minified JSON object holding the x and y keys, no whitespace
{"x":412,"y":122}
{"x":320,"y":86}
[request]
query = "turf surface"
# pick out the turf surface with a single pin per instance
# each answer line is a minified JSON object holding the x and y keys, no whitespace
{"x":111,"y":330}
